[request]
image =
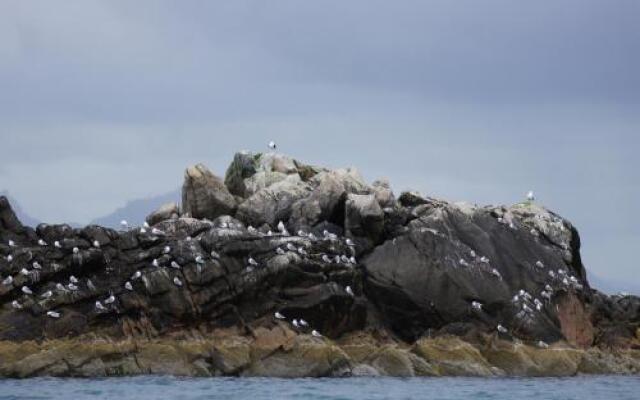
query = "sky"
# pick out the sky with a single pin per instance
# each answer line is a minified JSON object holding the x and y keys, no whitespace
{"x":102,"y":102}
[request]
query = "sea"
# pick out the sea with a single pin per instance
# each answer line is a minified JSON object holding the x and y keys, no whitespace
{"x":163,"y":387}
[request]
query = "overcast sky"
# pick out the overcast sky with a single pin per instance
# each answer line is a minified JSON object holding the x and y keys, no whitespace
{"x":107,"y":101}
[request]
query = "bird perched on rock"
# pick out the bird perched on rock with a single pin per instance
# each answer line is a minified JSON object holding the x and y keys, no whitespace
{"x":53,"y":314}
{"x":42,"y":242}
{"x":73,"y":279}
{"x":349,"y":291}
{"x":60,"y":287}
{"x":47,"y":294}
{"x":302,"y":251}
{"x":542,"y":345}
{"x":96,"y":244}
{"x":496,"y":273}
{"x":502,"y":329}
{"x":252,"y":262}
{"x":315,"y":333}
{"x":146,"y":225}
{"x":73,"y":287}
{"x":57,"y":244}
{"x":472,"y":254}
{"x":7,"y":281}
{"x":352,"y":260}
{"x":25,"y":272}
{"x":136,"y":275}
{"x":9,"y":258}
{"x":26,"y":290}
{"x":36,"y":265}
{"x":277,"y":315}
{"x":302,"y":322}
{"x":272,"y":145}
{"x":484,"y":260}
{"x":166,"y":250}
{"x":76,"y":250}
{"x":326,"y":259}
{"x":11,"y":243}
{"x":281,"y":226}
{"x":328,"y":235}
{"x":15,"y":304}
{"x":199,"y":259}
{"x":539,"y":264}
{"x":530,"y":196}
{"x":128,"y":286}
{"x":349,"y":242}
{"x":295,"y":323}
{"x":155,"y":263}
{"x":302,"y":233}
{"x":157,"y":232}
{"x":279,"y":251}
{"x":143,"y":230}
{"x":476,"y":305}
{"x":124,"y":225}
{"x":110,"y":299}
{"x":100,"y":307}
{"x":291,"y":247}
{"x":177,"y":281}
{"x":175,"y":265}
{"x":215,"y":255}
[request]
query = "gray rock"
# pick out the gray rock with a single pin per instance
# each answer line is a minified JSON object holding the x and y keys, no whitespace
{"x":204,"y":195}
{"x":164,"y":212}
{"x":364,"y":217}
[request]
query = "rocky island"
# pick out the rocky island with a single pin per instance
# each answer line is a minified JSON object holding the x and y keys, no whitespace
{"x":287,"y":269}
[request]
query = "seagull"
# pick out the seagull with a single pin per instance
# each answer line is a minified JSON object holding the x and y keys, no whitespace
{"x":175,"y":265}
{"x":96,"y":244}
{"x":530,"y":196}
{"x":12,"y":243}
{"x":344,"y":259}
{"x":539,"y":264}
{"x":463,"y":262}
{"x":337,"y":259}
{"x":110,"y":299}
{"x":252,"y":230}
{"x":302,"y":233}
{"x":253,"y":262}
{"x":155,"y":263}
{"x":42,"y":242}
{"x":53,"y":314}
{"x":277,"y":315}
{"x":484,"y":259}
{"x":76,"y":250}
{"x":311,"y":236}
{"x":73,"y":279}
{"x":548,"y":288}
{"x":515,"y":299}
{"x":25,"y":272}
{"x":128,"y":286}
{"x":472,"y":254}
{"x":496,"y":273}
{"x":291,"y":247}
{"x":26,"y":290}
{"x":60,"y":287}
{"x":100,"y":307}
{"x":188,"y":238}
{"x":124,"y":225}
{"x":157,"y":232}
{"x":552,"y":274}
{"x":476,"y":305}
{"x":177,"y":281}
{"x":352,"y":260}
{"x":224,"y":225}
{"x":302,"y":322}
{"x":136,"y":275}
{"x":281,"y":226}
{"x":47,"y":294}
{"x":57,"y":244}
{"x":8,"y":281}
{"x":326,"y":259}
{"x":9,"y":258}
{"x":215,"y":255}
{"x":302,"y":251}
{"x":73,"y":287}
{"x":16,"y":305}
{"x":90,"y":285}
{"x":315,"y":333}
{"x":349,"y":291}
{"x":329,"y":235}
{"x":349,"y":242}
{"x":280,"y":251}
{"x":542,"y":345}
{"x":502,"y":329}
{"x":146,"y":225}
{"x":36,"y":265}
{"x":143,"y":230}
{"x":199,"y":259}
{"x":269,"y":233}
{"x":272,"y":145}
{"x":166,"y":250}
{"x":295,"y":323}
{"x":527,"y":308}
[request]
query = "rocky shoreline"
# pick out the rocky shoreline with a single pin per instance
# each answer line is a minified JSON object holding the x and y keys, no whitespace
{"x":287,"y":269}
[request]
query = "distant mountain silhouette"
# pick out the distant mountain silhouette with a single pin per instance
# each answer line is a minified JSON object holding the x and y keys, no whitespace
{"x":25,"y":218}
{"x":135,"y":211}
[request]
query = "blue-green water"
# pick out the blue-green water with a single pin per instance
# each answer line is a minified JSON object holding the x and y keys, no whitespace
{"x":153,"y":387}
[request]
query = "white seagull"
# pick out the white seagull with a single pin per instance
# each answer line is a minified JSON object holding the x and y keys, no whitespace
{"x":277,"y":315}
{"x":530,"y":196}
{"x":302,"y":322}
{"x":7,"y":281}
{"x":26,"y":290}
{"x":166,"y":250}
{"x":36,"y":265}
{"x":315,"y":333}
{"x":57,"y":244}
{"x":155,"y":262}
{"x":42,"y":242}
{"x":502,"y":329}
{"x":349,"y":242}
{"x":96,"y":244}
{"x":175,"y":265}
{"x":100,"y":307}
{"x":349,"y":291}
{"x":73,"y":279}
{"x":9,"y":258}
{"x":110,"y":299}
{"x":272,"y":145}
{"x":253,"y":262}
{"x":124,"y":225}
{"x":326,"y":259}
{"x":215,"y":255}
{"x":47,"y":294}
{"x":295,"y":323}
{"x":476,"y":305}
{"x":11,"y":243}
{"x":542,"y":344}
{"x":76,"y":250}
{"x":177,"y":281}
{"x":539,"y":264}
{"x":25,"y":272}
{"x":291,"y":247}
{"x":136,"y":275}
{"x":53,"y":314}
{"x":16,"y":305}
{"x":128,"y":286}
{"x":280,"y":251}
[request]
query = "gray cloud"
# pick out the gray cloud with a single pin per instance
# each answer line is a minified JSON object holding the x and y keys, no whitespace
{"x":104,"y":101}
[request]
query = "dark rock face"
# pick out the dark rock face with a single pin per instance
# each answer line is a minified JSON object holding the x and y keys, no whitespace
{"x":349,"y":258}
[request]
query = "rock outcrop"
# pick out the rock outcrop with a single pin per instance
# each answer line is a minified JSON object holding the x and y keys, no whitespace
{"x":286,"y":269}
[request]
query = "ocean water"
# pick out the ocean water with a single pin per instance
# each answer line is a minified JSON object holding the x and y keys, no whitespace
{"x":154,"y":387}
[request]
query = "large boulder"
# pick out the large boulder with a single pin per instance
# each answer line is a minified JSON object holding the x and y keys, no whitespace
{"x":204,"y":195}
{"x":163,"y":213}
{"x":363,"y":217}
